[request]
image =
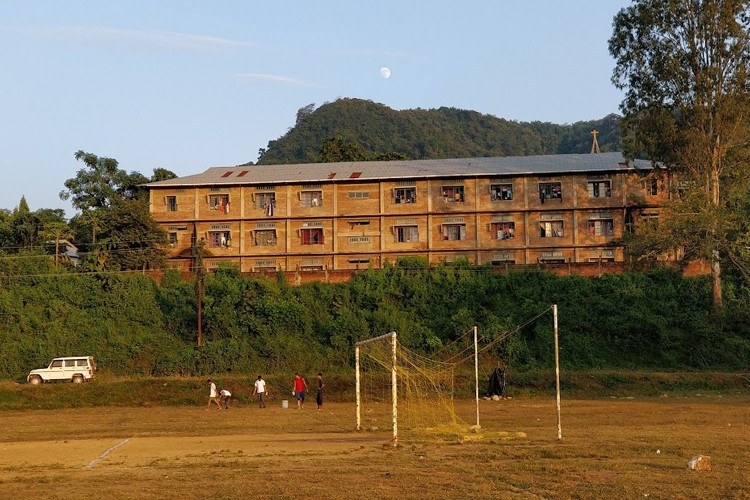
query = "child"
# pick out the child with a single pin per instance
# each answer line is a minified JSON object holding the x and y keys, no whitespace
{"x":298,"y":389}
{"x":224,"y":397}
{"x":212,"y":395}
{"x":260,"y":390}
{"x":319,"y":396}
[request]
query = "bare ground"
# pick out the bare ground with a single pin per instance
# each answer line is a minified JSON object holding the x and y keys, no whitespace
{"x":613,"y":448}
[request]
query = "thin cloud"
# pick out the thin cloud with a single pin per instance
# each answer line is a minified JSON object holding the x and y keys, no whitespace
{"x":128,"y":39}
{"x":266,"y":78}
{"x":366,"y":52}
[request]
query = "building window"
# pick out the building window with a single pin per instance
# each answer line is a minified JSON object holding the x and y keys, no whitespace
{"x":359,"y":239}
{"x":550,"y":191}
{"x":359,"y":223}
{"x":266,"y":202}
{"x":405,"y":195}
{"x":311,"y":265}
{"x":501,"y":192}
{"x":552,"y":258}
{"x":601,"y":227}
{"x":172,"y":240}
{"x":605,"y":256}
{"x":358,"y":195}
{"x":551,"y":229}
{"x":651,"y":186}
{"x":265,"y":237}
{"x":219,"y":239}
{"x":454,"y":194}
{"x":683,"y":187}
{"x":650,"y":219}
{"x":311,"y":199}
{"x":407,"y":234}
{"x":219,"y":202}
{"x":171,"y":203}
{"x":503,"y":230}
{"x":453,"y":232}
{"x":359,"y":260}
{"x":265,"y":265}
{"x":312,"y":236}
{"x":599,"y":189}
{"x":504,"y":258}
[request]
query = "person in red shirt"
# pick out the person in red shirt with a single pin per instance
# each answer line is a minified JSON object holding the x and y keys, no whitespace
{"x":299,"y":388}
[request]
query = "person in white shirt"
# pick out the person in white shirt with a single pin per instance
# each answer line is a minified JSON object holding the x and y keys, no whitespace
{"x":213,"y":395}
{"x":260,"y":391}
{"x":224,"y":397}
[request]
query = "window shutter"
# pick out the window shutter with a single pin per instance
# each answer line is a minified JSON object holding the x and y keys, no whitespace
{"x":299,"y":195}
{"x":393,"y":230}
{"x":208,"y":198}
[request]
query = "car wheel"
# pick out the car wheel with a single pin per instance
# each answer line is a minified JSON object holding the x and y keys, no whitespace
{"x":77,"y":379}
{"x":35,"y":380}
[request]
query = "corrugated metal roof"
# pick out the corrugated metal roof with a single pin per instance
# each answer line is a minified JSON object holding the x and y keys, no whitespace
{"x":407,"y":169}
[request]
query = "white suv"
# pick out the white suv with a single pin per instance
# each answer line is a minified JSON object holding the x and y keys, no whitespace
{"x":74,"y":369}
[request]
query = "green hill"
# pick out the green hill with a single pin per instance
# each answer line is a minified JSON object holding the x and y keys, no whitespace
{"x":431,"y":133}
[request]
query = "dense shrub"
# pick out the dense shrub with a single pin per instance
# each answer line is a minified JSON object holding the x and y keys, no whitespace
{"x":658,"y":320}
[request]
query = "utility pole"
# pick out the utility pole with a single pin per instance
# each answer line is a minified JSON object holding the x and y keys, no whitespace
{"x":197,"y":252}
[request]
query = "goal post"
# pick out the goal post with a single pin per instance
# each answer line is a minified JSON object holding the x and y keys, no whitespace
{"x":404,"y":391}
{"x":394,"y":380}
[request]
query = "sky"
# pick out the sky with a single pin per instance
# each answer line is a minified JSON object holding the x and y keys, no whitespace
{"x":186,"y":85}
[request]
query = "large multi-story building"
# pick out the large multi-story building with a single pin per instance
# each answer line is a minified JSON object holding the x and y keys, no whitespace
{"x":344,"y":216}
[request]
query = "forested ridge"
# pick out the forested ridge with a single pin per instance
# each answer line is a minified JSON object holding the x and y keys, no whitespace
{"x":134,"y":326}
{"x":431,"y":133}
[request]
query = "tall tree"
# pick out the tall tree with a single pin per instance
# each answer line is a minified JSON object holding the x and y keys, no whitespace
{"x":25,"y":226}
{"x":95,"y":186}
{"x":685,"y":66}
{"x":115,"y":224}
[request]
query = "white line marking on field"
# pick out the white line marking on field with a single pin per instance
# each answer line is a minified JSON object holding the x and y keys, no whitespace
{"x":107,"y":452}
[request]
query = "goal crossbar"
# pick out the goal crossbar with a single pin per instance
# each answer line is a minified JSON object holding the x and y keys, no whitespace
{"x":375,"y":339}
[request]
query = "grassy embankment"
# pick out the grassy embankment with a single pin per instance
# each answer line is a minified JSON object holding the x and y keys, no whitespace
{"x":192,"y":391}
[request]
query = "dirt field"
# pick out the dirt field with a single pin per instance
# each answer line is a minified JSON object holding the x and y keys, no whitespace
{"x":614,"y":448}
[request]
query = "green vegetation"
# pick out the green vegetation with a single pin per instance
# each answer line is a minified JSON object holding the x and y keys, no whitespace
{"x":429,"y":134}
{"x":684,"y":66}
{"x":655,"y":321}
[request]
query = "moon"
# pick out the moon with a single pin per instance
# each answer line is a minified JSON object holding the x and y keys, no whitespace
{"x":385,"y":72}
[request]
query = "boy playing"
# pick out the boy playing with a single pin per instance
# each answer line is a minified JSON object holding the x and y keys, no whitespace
{"x":212,"y":395}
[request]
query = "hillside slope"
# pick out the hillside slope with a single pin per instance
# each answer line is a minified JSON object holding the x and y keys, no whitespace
{"x":431,"y":133}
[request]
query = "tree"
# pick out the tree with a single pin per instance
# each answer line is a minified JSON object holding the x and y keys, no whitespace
{"x":336,"y":149}
{"x":95,"y":186}
{"x":115,"y":225}
{"x":162,"y":174}
{"x":25,"y":225}
{"x":57,"y":232}
{"x":131,"y":237}
{"x":685,"y":68}
{"x":304,"y":112}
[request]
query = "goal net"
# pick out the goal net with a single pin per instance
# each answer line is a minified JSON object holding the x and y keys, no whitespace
{"x":404,"y":392}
